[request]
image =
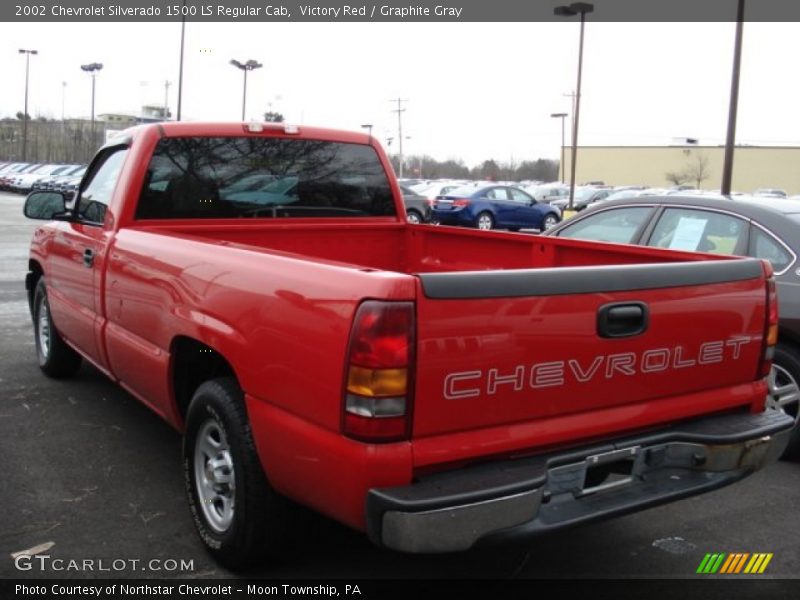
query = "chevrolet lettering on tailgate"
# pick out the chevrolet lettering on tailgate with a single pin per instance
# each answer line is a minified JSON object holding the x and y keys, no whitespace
{"x":468,"y":384}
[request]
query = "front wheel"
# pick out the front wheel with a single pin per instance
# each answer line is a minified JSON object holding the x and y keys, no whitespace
{"x":56,"y":358}
{"x":549,"y":221}
{"x":237,"y":514}
{"x":485,"y":221}
{"x":784,"y":391}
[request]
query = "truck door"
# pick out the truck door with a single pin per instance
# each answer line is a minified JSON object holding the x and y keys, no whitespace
{"x":78,"y":254}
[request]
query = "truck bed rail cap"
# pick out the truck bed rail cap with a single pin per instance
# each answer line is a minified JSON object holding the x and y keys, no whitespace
{"x":585,"y":280}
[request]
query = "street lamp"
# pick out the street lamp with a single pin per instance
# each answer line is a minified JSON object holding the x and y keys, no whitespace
{"x":561,"y":116}
{"x":250,"y":65}
{"x":92,"y":69}
{"x":576,"y":8}
{"x":27,"y":54}
{"x":368,"y":127}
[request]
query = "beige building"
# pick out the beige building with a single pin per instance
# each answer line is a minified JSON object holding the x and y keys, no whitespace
{"x":753,"y":166}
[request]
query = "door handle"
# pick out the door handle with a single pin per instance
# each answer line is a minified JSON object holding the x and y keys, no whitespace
{"x":622,"y":319}
{"x":88,"y":258}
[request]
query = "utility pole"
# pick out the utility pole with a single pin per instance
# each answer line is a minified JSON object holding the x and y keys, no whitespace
{"x":400,"y":110}
{"x":730,"y":139}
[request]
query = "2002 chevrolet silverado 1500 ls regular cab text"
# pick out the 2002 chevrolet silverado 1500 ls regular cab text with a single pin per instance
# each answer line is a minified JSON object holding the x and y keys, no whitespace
{"x":258,"y":287}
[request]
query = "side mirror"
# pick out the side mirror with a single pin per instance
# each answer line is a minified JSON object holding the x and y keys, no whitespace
{"x":46,"y":206}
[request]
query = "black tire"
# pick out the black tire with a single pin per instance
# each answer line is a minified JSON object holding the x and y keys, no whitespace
{"x":550,"y":220}
{"x":413,"y":216}
{"x":487,"y":218}
{"x":262,"y":521}
{"x":787,"y":371}
{"x":56,"y":359}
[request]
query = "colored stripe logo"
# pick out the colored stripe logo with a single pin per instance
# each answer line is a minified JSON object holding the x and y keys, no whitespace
{"x":734,"y":564}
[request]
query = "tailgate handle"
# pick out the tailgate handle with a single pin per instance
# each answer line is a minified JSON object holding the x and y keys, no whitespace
{"x":622,"y":319}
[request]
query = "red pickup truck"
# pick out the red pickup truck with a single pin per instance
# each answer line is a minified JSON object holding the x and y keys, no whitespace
{"x":258,"y":287}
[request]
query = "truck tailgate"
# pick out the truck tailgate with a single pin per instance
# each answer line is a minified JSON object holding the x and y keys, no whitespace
{"x":504,"y":347}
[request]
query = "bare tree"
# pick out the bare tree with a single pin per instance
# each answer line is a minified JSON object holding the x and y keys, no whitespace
{"x":676,"y":177}
{"x":698,"y":170}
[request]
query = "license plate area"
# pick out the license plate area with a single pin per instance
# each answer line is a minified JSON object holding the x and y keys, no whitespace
{"x":596,"y":473}
{"x":608,"y":471}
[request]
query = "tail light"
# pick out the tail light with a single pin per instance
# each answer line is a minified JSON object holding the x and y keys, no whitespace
{"x":379,"y":373}
{"x":461,"y":202}
{"x":771,"y":337}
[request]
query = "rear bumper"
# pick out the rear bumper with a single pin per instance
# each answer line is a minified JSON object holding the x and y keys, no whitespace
{"x":497,"y":501}
{"x":459,"y":216}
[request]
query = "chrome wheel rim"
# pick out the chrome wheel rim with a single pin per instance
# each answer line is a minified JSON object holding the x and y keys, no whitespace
{"x":44,"y":330}
{"x":784,"y":391}
{"x":484,"y":222}
{"x":413,"y":218}
{"x":549,"y":221}
{"x":214,"y":476}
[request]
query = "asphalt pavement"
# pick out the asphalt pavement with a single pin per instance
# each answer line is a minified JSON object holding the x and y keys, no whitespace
{"x":94,"y":475}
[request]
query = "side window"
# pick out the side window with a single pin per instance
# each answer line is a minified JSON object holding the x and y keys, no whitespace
{"x":763,"y":245}
{"x":94,"y":199}
{"x":497,"y":193}
{"x":618,"y":225}
{"x":520,"y":196}
{"x":699,"y":231}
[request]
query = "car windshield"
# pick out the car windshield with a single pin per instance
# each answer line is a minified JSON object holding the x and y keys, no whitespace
{"x":235,"y":177}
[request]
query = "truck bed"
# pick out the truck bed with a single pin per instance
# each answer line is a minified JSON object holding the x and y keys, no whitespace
{"x":416,"y":249}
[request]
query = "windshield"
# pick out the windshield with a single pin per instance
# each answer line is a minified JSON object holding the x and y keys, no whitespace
{"x":233,"y":177}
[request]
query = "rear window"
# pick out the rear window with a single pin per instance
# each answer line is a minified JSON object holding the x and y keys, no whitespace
{"x":235,"y":177}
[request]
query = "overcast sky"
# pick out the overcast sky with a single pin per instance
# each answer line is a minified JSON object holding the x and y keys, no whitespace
{"x":474,"y":90}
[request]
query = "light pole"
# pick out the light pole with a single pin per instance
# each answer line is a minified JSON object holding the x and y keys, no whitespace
{"x":368,"y":127}
{"x":727,"y":165}
{"x":250,"y":65}
{"x":180,"y":63}
{"x":92,"y":69}
{"x":576,"y":8}
{"x":27,"y":54}
{"x":167,"y":83}
{"x":63,"y":98}
{"x":561,"y":116}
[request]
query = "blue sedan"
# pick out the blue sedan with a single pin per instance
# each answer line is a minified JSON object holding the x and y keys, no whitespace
{"x":493,"y":206}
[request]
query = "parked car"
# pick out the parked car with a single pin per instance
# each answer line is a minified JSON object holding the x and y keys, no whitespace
{"x":770,"y":193}
{"x":13,"y":171}
{"x":583,"y":198}
{"x":418,"y":207}
{"x":49,"y":182}
{"x":548,"y":192}
{"x":493,"y":206}
{"x":767,"y":228}
{"x":437,"y":188}
{"x":24,"y":182}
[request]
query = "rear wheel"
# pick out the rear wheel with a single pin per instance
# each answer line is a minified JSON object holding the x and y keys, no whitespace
{"x":485,"y":221}
{"x":56,"y":358}
{"x":549,"y":221}
{"x":414,"y":217}
{"x":237,"y":514}
{"x":784,"y":391}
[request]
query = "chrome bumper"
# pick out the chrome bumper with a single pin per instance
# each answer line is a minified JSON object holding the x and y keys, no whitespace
{"x":453,"y":511}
